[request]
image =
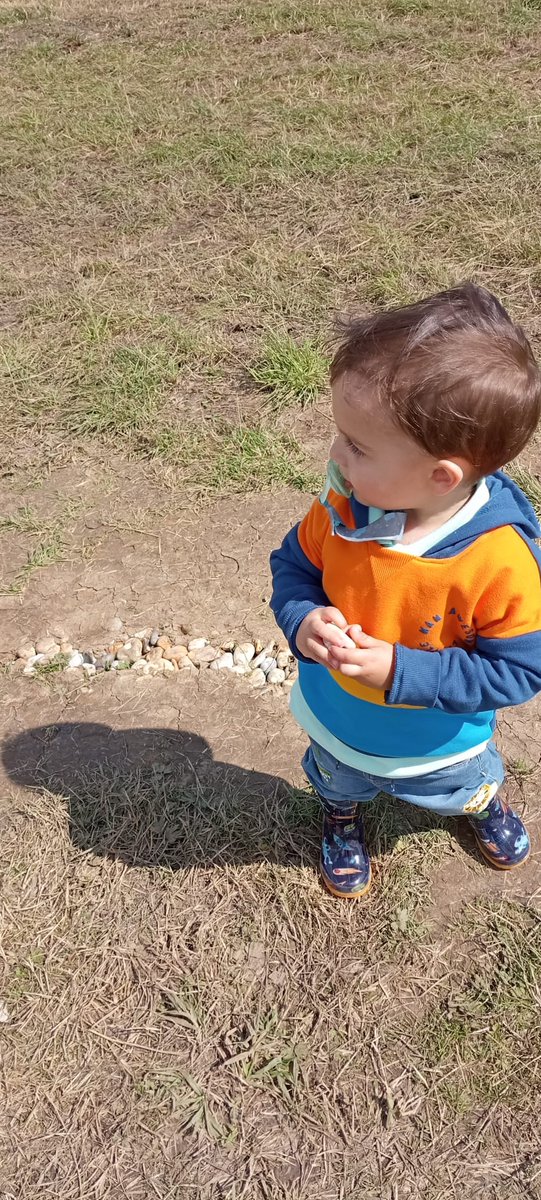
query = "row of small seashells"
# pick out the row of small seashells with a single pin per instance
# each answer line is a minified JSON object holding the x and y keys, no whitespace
{"x":150,"y":652}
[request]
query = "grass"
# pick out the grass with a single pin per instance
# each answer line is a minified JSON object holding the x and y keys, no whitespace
{"x":247,"y":173}
{"x":223,"y":1007}
{"x":484,"y":1037}
{"x":290,"y":373}
{"x":45,"y":553}
{"x":259,"y":460}
{"x":529,"y":483}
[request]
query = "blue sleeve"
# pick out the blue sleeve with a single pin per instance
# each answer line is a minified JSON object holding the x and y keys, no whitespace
{"x":498,"y":673}
{"x":297,"y":588}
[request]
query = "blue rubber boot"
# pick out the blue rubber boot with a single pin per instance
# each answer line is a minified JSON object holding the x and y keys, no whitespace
{"x":500,"y":835}
{"x":344,"y":865}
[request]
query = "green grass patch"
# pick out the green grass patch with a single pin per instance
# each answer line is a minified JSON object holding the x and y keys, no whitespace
{"x":290,"y":372}
{"x":49,"y":550}
{"x":486,"y":1033}
{"x":123,"y":396}
{"x":256,"y":459}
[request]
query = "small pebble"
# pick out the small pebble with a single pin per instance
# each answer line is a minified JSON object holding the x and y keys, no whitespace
{"x":139,"y":664}
{"x":176,"y":652}
{"x":276,"y":676}
{"x":288,"y":684}
{"x":257,"y":678}
{"x":164,"y":642}
{"x":29,"y":671}
{"x":224,"y":662}
{"x":186,"y":664}
{"x":258,"y":645}
{"x":228,"y":646}
{"x":89,"y":669}
{"x":26,"y":650}
{"x":153,"y":638}
{"x":168,"y":666}
{"x":238,"y":669}
{"x":197,"y":643}
{"x":155,"y":655}
{"x":76,"y":660}
{"x":267,"y":664}
{"x":240,"y":658}
{"x":206,"y":655}
{"x":88,"y":657}
{"x":248,"y":649}
{"x":282,"y":659}
{"x":130,"y":651}
{"x":36,"y":658}
{"x":66,"y":648}
{"x":47,"y":646}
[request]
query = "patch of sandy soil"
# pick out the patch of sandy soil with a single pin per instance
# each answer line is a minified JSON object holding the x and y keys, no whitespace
{"x":134,"y":549}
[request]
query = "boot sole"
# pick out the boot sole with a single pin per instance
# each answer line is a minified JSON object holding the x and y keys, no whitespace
{"x":501,"y":866}
{"x":344,"y":895}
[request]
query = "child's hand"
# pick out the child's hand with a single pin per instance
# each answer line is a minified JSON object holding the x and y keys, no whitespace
{"x":320,"y":630}
{"x":372,"y":663}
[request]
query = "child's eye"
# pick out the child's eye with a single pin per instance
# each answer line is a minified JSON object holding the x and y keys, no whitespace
{"x":354,"y":448}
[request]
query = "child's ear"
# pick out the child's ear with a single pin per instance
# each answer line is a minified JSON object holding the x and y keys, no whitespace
{"x":447,"y":476}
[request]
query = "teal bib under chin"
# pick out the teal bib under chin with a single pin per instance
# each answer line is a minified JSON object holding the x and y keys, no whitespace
{"x":383,"y":527}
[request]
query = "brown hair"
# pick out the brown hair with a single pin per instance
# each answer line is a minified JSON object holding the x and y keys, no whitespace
{"x":457,"y":375}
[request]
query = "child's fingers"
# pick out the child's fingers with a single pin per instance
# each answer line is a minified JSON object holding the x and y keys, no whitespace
{"x":361,"y":639}
{"x":318,"y":652}
{"x":333,"y":616}
{"x":345,"y":654}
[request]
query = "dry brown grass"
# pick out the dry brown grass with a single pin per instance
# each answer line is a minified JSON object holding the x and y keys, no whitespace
{"x":190,"y":1014}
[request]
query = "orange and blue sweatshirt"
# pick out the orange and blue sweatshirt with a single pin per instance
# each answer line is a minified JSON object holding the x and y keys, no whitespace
{"x":464,"y":617}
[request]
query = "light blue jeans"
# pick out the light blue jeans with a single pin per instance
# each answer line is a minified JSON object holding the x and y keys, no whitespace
{"x":458,"y":790}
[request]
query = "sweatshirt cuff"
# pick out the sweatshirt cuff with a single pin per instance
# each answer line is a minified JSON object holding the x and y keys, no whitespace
{"x":416,"y":678}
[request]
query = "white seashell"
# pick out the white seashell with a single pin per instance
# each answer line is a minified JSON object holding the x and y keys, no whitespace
{"x":76,"y":660}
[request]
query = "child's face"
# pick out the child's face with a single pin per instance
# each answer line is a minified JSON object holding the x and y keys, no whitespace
{"x":384,"y":467}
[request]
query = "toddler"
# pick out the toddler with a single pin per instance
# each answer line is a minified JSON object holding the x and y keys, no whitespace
{"x":411,"y":593}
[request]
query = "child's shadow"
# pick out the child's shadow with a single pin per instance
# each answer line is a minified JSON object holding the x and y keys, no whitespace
{"x":157,"y":797}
